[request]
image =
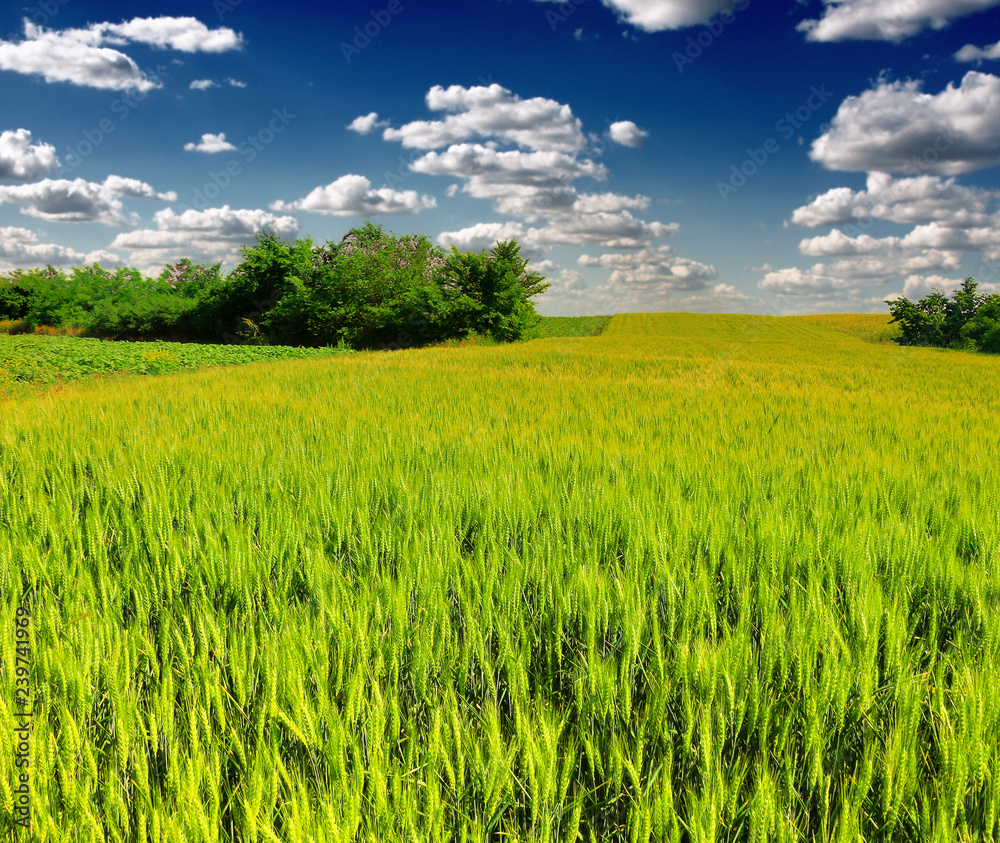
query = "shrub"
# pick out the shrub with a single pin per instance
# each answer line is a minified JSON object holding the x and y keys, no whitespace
{"x":966,"y":321}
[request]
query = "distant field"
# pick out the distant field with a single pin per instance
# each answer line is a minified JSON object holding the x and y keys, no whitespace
{"x":871,"y":327}
{"x":570,"y":326}
{"x":699,"y":578}
{"x":30,"y":359}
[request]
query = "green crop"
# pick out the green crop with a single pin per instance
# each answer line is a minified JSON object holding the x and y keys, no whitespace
{"x":32,"y":359}
{"x":723,"y":578}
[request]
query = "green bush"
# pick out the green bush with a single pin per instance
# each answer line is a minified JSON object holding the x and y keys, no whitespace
{"x":374,"y":289}
{"x":967,"y":321}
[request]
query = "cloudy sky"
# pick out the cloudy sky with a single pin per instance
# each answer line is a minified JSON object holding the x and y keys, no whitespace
{"x":762,"y":156}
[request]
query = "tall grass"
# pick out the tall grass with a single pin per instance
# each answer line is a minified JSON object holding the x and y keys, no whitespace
{"x":700,"y":578}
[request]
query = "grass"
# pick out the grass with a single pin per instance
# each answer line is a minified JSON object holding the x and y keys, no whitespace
{"x":33,"y":360}
{"x":570,"y":326}
{"x":871,"y":327}
{"x":724,"y":578}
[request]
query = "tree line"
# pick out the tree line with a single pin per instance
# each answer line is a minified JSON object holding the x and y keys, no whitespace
{"x":374,"y":289}
{"x":969,"y":320}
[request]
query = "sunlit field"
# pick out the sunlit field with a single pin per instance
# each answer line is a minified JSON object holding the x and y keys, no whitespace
{"x":699,"y":578}
{"x":874,"y":327}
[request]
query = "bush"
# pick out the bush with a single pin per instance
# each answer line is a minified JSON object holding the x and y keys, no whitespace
{"x":968,"y":320}
{"x":374,"y":289}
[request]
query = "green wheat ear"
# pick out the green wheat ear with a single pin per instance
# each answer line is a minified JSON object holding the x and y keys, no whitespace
{"x":726,"y":578}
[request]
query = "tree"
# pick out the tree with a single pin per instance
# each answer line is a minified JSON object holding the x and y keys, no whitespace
{"x":965,"y":321}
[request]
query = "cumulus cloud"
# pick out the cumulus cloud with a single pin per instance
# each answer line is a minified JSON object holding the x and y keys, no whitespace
{"x":887,"y":20}
{"x":353,"y":196}
{"x":627,"y":133}
{"x":612,"y":231}
{"x":524,"y":156}
{"x":77,"y":200}
{"x":972,"y":53}
{"x":918,"y":286}
{"x":908,"y":200}
{"x":19,"y":247}
{"x":186,"y":34}
{"x":482,"y":235}
{"x":492,"y":111}
{"x":210,"y":143}
{"x":489,"y":172}
{"x":202,"y":85}
{"x":21,"y":160}
{"x":214,"y":234}
{"x":896,"y":127}
{"x":660,"y":15}
{"x":366,"y":123}
{"x":235,"y":83}
{"x":653,"y":267}
{"x":84,"y":57}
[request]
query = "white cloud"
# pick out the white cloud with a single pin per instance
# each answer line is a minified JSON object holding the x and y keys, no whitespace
{"x":972,"y":53}
{"x":486,"y":168}
{"x":627,"y":133}
{"x":482,"y":235}
{"x":907,"y":200}
{"x":82,"y":57}
{"x":659,"y":15}
{"x":77,"y":200}
{"x":210,"y":143}
{"x":235,"y":83}
{"x":366,"y":123}
{"x":887,"y":20}
{"x":214,"y":234}
{"x":19,"y":247}
{"x":896,"y":127}
{"x":533,"y":181}
{"x":478,"y":112}
{"x":202,"y":85}
{"x":21,"y":160}
{"x":653,"y":267}
{"x":353,"y":196}
{"x":187,"y":34}
{"x":618,"y":230}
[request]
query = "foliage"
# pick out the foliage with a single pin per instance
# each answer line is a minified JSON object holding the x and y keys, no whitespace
{"x":700,"y":578}
{"x":372,"y":290}
{"x":41,"y":360}
{"x":119,"y":305}
{"x":936,"y":320}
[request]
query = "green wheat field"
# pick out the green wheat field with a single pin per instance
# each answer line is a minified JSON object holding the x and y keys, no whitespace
{"x":699,"y":578}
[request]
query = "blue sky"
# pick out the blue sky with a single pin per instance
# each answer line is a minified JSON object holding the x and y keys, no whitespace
{"x":661,"y":155}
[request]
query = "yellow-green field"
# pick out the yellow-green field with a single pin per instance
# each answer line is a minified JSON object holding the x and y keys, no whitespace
{"x":700,"y":578}
{"x":873,"y":327}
